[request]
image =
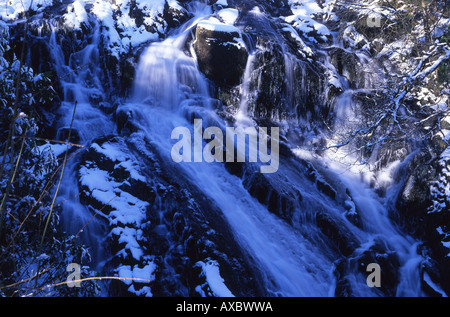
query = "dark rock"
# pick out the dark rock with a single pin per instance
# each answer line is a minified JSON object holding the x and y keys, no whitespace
{"x":320,"y":182}
{"x":325,"y":188}
{"x":175,"y":16}
{"x":269,"y":81}
{"x":124,"y":120}
{"x":95,"y":98}
{"x":414,"y":198}
{"x":106,"y":107}
{"x":221,"y":54}
{"x":338,"y":232}
{"x":63,"y":135}
{"x":128,"y":71}
{"x":280,"y":199}
{"x":379,"y":253}
{"x":348,"y":65}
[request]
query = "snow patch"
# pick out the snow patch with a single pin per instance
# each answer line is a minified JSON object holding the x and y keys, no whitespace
{"x":303,"y":19}
{"x":76,"y":14}
{"x":142,"y":275}
{"x":13,"y":9}
{"x":213,"y":24}
{"x":229,"y":16}
{"x":210,"y":270}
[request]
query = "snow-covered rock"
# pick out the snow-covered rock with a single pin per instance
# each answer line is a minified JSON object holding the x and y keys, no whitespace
{"x":221,"y":52}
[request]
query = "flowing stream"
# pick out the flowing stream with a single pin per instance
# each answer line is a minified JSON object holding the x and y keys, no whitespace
{"x":295,"y":260}
{"x":81,"y":80}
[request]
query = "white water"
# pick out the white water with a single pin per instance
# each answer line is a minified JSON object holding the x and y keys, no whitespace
{"x":342,"y":166}
{"x":168,"y":87}
{"x":376,"y":224}
{"x":246,"y":89}
{"x":293,"y":262}
{"x":80,"y":79}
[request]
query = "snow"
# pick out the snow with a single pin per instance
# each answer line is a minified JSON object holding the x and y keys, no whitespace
{"x":57,"y":149}
{"x":304,"y":50}
{"x":305,"y":8}
{"x":151,"y":7}
{"x":223,"y":3}
{"x":210,"y":270}
{"x":104,"y":13}
{"x":123,"y":159}
{"x":109,"y":150}
{"x":128,"y":209}
{"x":131,"y":275}
{"x":12,"y":9}
{"x":440,"y":188}
{"x":213,"y":24}
{"x":352,"y":38}
{"x":229,"y":16}
{"x":76,"y":14}
{"x":441,"y":27}
{"x":303,"y":18}
{"x":175,"y":5}
{"x":121,"y":29}
{"x":96,"y":179}
{"x":129,"y":236}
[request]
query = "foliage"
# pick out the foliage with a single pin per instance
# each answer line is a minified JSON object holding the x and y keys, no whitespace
{"x":28,"y":173}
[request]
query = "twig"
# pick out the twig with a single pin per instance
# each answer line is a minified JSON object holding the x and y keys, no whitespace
{"x":52,"y":141}
{"x":59,"y":185}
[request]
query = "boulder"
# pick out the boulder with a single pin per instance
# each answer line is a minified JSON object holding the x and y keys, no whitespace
{"x":221,"y":52}
{"x":336,"y":230}
{"x":174,"y":14}
{"x":63,"y":134}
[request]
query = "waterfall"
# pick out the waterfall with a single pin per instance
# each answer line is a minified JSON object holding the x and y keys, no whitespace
{"x":294,"y":260}
{"x":246,"y":90}
{"x":293,"y":254}
{"x":80,"y":81}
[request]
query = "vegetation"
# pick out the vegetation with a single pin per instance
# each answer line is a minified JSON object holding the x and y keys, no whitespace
{"x":414,"y":56}
{"x":30,"y":261}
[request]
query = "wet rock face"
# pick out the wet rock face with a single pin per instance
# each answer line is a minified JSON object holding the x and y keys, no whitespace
{"x":273,"y":7}
{"x":269,"y":81}
{"x":221,"y":53}
{"x":156,"y":220}
{"x":347,"y":65}
{"x":423,"y":210}
{"x":380,"y":253}
{"x":284,"y":87}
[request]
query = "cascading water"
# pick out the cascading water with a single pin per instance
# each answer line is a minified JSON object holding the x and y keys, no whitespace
{"x":374,"y":210}
{"x":293,"y":265}
{"x":294,"y":259}
{"x":80,"y":81}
